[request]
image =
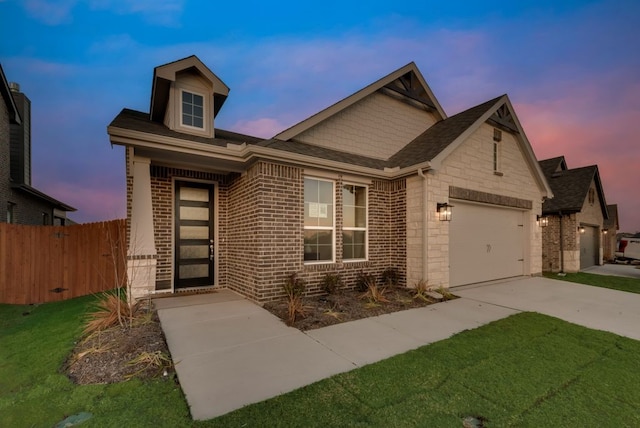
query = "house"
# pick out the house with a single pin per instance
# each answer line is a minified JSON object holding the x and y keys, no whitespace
{"x":381,"y":179}
{"x":611,"y":226}
{"x":22,"y":203}
{"x":574,"y":218}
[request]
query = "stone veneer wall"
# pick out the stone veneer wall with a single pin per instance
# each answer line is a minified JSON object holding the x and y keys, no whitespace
{"x":470,"y":167}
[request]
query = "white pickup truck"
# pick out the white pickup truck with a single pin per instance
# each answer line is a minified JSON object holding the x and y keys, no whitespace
{"x":628,"y":249}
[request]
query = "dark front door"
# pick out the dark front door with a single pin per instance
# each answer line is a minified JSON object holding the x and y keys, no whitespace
{"x":194,"y":252}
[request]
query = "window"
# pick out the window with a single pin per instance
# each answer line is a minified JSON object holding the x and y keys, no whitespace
{"x":592,"y":196}
{"x":192,"y":110}
{"x":319,"y":226}
{"x":45,"y":219}
{"x":11,"y":216}
{"x":354,"y":226}
{"x":497,"y":137}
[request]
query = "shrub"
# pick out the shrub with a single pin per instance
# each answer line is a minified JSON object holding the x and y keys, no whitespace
{"x":391,"y":277}
{"x":367,"y":282}
{"x":331,"y":282}
{"x":420,"y":290}
{"x":363,"y":281}
{"x":294,"y":288}
{"x":110,"y":311}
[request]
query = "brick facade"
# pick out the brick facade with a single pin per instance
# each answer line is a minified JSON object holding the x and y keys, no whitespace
{"x":259,"y":235}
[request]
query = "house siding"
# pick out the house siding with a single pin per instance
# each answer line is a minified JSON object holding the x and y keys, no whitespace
{"x":5,"y":138}
{"x":470,"y":166}
{"x":377,"y":126}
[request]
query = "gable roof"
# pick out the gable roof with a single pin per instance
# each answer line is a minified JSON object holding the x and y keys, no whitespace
{"x":570,"y":188}
{"x":406,"y":81}
{"x":14,"y":115}
{"x":163,"y":75}
{"x":429,"y":144}
{"x":553,"y":165}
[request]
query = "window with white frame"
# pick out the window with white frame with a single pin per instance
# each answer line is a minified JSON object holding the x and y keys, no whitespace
{"x":192,"y":109}
{"x":319,"y":224}
{"x":354,"y":222}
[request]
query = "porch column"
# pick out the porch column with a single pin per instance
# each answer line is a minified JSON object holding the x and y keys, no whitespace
{"x":142,"y":255}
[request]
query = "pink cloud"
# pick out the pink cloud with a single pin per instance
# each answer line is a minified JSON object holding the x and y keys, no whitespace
{"x":263,"y":127}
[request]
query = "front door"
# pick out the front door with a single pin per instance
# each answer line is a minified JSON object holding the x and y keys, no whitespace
{"x":194,"y":251}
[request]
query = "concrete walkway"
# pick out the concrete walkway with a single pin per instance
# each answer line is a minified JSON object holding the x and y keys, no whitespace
{"x":230,"y":352}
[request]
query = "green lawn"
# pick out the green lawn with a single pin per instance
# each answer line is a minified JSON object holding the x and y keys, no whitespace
{"x":631,"y":285}
{"x":525,"y":370}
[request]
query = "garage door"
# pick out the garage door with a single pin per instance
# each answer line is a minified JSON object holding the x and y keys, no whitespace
{"x":588,"y":245}
{"x":486,"y":243}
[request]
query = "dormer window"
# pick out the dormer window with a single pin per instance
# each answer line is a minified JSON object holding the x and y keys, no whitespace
{"x":192,"y":109}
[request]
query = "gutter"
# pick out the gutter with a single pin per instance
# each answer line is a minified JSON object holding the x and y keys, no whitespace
{"x":245,"y":153}
{"x":425,"y":224}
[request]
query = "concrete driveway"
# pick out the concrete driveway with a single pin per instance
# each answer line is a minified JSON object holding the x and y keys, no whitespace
{"x":229,"y":352}
{"x":626,"y":270}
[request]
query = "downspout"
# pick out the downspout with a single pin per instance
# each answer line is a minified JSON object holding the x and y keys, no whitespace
{"x":425,"y":225}
{"x":561,"y":246}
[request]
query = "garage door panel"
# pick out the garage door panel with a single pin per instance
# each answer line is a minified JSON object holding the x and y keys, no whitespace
{"x":588,"y":247}
{"x":486,"y":243}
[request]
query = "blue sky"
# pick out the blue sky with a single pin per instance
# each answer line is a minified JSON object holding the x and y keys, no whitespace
{"x":571,"y":69}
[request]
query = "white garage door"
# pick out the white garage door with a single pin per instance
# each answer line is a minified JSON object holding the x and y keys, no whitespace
{"x":485,"y":243}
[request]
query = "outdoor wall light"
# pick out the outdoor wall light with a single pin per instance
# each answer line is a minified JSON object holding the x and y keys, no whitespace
{"x":581,"y":229}
{"x":543,"y":221}
{"x":444,"y":211}
{"x":605,"y":231}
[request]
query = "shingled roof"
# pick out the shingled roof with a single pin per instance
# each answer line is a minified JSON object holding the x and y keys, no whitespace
{"x":435,"y":139}
{"x":570,"y":186}
{"x":139,"y":121}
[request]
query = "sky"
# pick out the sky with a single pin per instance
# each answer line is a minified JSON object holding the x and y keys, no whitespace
{"x":570,"y":68}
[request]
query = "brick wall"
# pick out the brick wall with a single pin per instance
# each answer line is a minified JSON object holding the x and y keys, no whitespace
{"x":551,"y":261}
{"x":260,"y":229}
{"x":377,"y":125}
{"x":265,"y":232}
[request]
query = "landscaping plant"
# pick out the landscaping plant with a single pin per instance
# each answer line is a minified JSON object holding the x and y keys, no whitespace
{"x":331,"y":282}
{"x":420,"y":290}
{"x":294,"y":288}
{"x":391,"y":277}
{"x":374,"y":294}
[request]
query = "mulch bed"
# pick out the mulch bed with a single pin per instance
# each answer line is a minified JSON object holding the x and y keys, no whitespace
{"x":108,"y":356}
{"x":346,"y":305}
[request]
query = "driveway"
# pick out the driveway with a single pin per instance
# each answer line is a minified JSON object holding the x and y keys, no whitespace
{"x":229,"y":352}
{"x":629,"y":271}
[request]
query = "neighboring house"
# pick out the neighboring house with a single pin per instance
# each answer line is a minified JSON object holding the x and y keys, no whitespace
{"x":366,"y":184}
{"x":573,"y":237}
{"x":610,"y":233}
{"x":21,"y":203}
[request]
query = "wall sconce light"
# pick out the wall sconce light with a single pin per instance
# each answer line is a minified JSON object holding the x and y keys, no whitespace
{"x":581,"y":229}
{"x":605,"y":231}
{"x":444,"y":211}
{"x":543,"y":221}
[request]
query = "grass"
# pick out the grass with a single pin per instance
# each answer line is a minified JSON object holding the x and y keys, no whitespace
{"x":525,"y":370}
{"x":620,"y":283}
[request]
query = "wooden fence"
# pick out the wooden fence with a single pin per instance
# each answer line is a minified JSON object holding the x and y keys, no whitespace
{"x":49,"y":263}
